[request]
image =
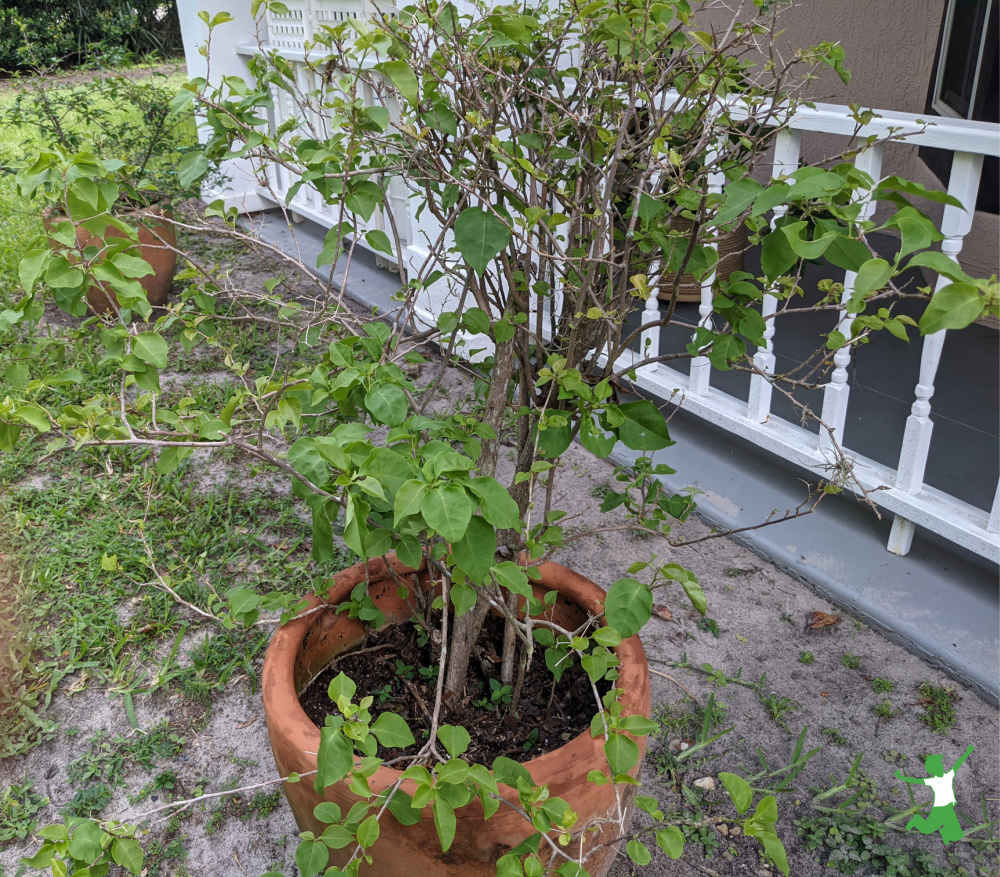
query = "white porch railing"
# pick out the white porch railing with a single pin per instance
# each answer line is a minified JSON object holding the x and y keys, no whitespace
{"x":901,"y":489}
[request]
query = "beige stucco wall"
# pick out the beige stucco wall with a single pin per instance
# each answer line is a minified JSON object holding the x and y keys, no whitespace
{"x":890,"y":47}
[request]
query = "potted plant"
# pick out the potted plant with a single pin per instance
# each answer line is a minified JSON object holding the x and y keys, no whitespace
{"x":510,"y":130}
{"x":127,"y":123}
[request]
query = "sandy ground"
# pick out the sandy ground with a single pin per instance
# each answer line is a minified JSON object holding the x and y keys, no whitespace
{"x":760,"y":615}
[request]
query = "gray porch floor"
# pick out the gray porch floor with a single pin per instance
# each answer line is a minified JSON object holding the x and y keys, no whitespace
{"x":940,"y":601}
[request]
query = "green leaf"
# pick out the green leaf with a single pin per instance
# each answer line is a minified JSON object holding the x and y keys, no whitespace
{"x":496,"y":503}
{"x":638,"y":852}
{"x":335,"y":758}
{"x":774,"y":849}
{"x":622,"y":753}
{"x":455,"y":739}
{"x":739,"y":791}
{"x":508,"y":772}
{"x":671,"y":841}
{"x":171,"y":458}
{"x":644,"y":427}
{"x":150,"y":348}
{"x":379,"y":240}
{"x":480,"y":237}
{"x":368,"y":832}
{"x":444,"y":822}
{"x":593,"y":438}
{"x":127,"y":853}
{"x":327,"y":811}
{"x":448,"y":510}
{"x":16,"y":374}
{"x":85,"y":842}
{"x":32,"y":265}
{"x":391,"y":730}
{"x":192,"y":168}
{"x":402,"y":77}
{"x":740,"y":194}
{"x":628,"y":606}
{"x":803,"y":247}
{"x":650,"y":208}
{"x":387,"y":404}
{"x":776,"y":255}
{"x":34,"y":416}
{"x":873,"y":275}
{"x":954,"y":306}
{"x":311,"y":857}
{"x":475,"y":551}
{"x":942,"y":264}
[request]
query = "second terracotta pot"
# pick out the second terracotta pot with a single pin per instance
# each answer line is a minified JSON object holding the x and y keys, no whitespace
{"x":157,"y":238}
{"x":303,"y":648}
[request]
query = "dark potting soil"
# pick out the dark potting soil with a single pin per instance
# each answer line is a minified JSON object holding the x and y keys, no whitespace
{"x":389,"y":669}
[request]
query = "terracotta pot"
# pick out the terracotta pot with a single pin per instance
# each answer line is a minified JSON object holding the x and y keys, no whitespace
{"x":156,"y":236}
{"x":302,"y":649}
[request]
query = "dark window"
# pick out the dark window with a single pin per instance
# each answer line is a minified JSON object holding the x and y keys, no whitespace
{"x":966,"y":84}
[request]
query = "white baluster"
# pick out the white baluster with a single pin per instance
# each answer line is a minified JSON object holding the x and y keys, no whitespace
{"x":955,"y":225}
{"x":994,"y":524}
{"x":786,"y":161}
{"x":837,"y":392}
{"x":701,"y":366}
{"x":651,"y":337}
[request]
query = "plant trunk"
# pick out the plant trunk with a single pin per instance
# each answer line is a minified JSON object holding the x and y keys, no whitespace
{"x":464,"y":637}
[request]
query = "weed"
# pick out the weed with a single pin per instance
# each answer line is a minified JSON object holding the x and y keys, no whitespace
{"x":601,"y":490}
{"x":779,"y":707}
{"x":883,"y":709}
{"x":853,"y":844}
{"x":850,"y":661}
{"x":18,"y":807}
{"x":788,"y":618}
{"x":833,"y":736}
{"x":806,"y":657}
{"x":938,"y":703}
{"x":709,"y":625}
{"x":89,"y":800}
{"x":883,"y":686}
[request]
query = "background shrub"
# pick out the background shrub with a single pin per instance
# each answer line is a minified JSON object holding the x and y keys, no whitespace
{"x":47,"y":33}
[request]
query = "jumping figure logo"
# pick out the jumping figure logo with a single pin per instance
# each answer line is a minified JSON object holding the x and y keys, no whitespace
{"x":942,"y":818}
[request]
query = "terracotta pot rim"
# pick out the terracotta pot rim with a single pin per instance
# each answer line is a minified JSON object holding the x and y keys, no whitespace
{"x":281,"y":698}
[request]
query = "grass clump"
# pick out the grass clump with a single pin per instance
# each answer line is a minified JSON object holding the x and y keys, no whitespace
{"x":806,"y":657}
{"x":850,"y":661}
{"x":882,"y":686}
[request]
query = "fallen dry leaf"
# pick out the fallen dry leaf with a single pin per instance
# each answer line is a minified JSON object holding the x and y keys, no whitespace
{"x":817,"y":620}
{"x":663,"y":612}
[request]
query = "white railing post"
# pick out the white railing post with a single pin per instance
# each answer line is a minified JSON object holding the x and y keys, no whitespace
{"x":650,"y":341}
{"x":837,"y":392}
{"x":994,"y":525}
{"x":787,"y":147}
{"x":701,"y":366}
{"x":955,"y":225}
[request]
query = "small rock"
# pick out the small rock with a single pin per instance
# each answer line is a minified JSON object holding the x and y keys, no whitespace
{"x":735,"y":831}
{"x":684,"y":746}
{"x":764,"y":872}
{"x":728,"y":857}
{"x":706,"y":784}
{"x":675,"y":743}
{"x":723,"y":829}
